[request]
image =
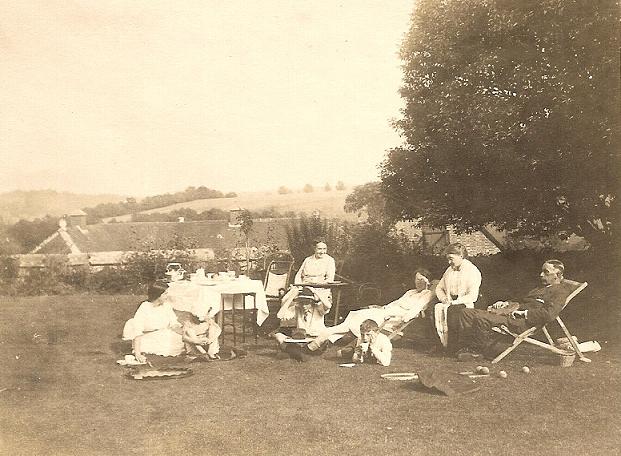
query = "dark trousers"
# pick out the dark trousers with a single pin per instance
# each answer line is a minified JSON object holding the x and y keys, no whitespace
{"x":480,"y":322}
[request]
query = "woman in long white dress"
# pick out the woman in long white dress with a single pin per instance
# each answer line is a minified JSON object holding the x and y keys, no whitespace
{"x":318,"y":268}
{"x":154,"y":329}
{"x":408,"y":306}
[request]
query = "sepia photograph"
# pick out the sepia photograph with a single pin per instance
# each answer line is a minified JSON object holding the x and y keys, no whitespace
{"x":319,"y":228}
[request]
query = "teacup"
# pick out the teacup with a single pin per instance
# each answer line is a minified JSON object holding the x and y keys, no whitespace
{"x":210,"y":275}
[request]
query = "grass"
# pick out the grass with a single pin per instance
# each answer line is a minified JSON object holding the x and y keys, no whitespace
{"x":65,"y":395}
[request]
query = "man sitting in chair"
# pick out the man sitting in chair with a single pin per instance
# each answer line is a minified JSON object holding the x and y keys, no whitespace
{"x":540,"y":306}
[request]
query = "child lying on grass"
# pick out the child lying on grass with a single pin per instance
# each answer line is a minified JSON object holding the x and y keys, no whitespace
{"x":371,"y":347}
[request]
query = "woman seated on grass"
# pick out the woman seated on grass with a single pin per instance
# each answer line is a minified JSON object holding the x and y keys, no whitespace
{"x":403,"y":309}
{"x":154,"y":329}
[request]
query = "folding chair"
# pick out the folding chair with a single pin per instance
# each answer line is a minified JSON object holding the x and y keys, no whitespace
{"x":394,"y":327}
{"x":551,"y":346}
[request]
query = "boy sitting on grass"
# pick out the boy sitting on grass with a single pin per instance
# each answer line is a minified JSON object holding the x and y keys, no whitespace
{"x":201,"y":334}
{"x":371,"y":347}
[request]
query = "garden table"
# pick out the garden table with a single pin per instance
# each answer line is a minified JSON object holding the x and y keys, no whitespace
{"x":212,"y":297}
{"x":336,"y":288}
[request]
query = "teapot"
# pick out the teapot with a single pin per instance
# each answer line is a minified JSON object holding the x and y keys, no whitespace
{"x":174,"y":271}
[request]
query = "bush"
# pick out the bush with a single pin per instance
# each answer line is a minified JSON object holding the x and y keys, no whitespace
{"x":386,"y":258}
{"x":110,"y":279}
{"x":302,"y":233}
{"x":143,"y":268}
{"x":9,"y":267}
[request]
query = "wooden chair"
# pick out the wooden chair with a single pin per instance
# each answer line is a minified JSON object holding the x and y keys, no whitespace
{"x":551,"y":346}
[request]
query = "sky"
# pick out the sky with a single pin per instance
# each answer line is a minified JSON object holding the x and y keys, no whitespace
{"x":144,"y":97}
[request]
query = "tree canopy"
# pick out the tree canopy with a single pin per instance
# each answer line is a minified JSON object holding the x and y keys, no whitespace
{"x":367,"y":198}
{"x":511,"y":117}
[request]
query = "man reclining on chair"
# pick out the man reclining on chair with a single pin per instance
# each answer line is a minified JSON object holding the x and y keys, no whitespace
{"x":540,"y":306}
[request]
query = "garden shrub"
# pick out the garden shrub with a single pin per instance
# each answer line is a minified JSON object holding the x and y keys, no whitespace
{"x":302,"y":233}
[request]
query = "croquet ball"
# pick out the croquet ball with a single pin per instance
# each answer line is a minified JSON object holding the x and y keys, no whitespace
{"x":485,"y":370}
{"x":502,"y":374}
{"x":525,"y":369}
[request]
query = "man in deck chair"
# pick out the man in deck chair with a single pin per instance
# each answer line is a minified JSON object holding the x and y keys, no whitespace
{"x":540,"y":306}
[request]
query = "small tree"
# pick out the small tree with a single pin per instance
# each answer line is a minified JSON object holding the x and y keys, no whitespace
{"x":245,"y":218}
{"x":340,"y":186}
{"x":327,"y":187}
{"x":370,"y":199}
{"x":308,"y":188}
{"x":282,"y":190}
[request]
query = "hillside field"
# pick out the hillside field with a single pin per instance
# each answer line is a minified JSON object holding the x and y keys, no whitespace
{"x":329,"y":204}
{"x":39,"y":203}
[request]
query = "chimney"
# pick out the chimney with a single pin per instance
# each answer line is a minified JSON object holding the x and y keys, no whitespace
{"x":234,"y":220}
{"x":77,"y":218}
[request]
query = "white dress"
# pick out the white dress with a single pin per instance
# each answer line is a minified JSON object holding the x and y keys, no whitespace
{"x":310,"y":318}
{"x":405,"y":308}
{"x":154,"y":324}
{"x":408,"y":306}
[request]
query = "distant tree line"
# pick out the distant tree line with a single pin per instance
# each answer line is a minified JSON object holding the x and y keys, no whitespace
{"x":190,"y":215}
{"x":25,"y":235}
{"x":131,"y":205}
{"x":308,"y":188}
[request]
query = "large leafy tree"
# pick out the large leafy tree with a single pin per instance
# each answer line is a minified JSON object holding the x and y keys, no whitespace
{"x":511,"y":117}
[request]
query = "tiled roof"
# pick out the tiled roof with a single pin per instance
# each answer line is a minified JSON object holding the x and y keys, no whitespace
{"x":169,"y":235}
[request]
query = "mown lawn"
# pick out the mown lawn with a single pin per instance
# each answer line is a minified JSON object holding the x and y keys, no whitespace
{"x":63,"y":394}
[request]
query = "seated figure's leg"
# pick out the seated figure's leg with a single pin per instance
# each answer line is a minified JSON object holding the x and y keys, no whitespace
{"x":213,"y":348}
{"x":342,"y":328}
{"x":280,"y":338}
{"x":452,"y":322}
{"x":481,"y":323}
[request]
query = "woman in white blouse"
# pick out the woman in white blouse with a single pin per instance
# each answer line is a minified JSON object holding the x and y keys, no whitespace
{"x":318,"y":268}
{"x":458,"y":289}
{"x":154,"y":328}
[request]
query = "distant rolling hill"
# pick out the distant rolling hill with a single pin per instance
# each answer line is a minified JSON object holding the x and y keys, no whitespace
{"x":329,"y":204}
{"x":33,"y":204}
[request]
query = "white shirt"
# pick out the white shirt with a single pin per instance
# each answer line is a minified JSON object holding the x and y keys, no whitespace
{"x":463,"y":283}
{"x":381,"y":348}
{"x":316,"y":270}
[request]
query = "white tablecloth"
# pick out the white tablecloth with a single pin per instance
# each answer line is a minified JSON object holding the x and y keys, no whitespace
{"x":204,"y":300}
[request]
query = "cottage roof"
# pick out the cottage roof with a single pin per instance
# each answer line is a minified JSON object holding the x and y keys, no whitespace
{"x":214,"y":234}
